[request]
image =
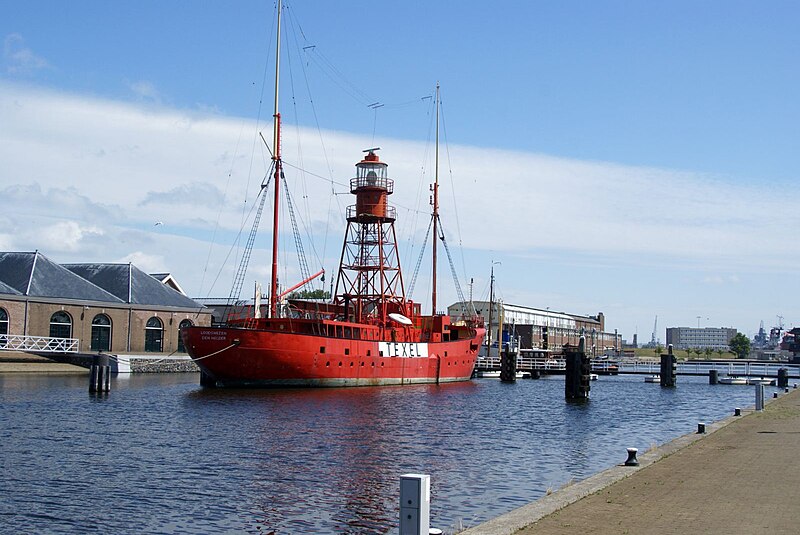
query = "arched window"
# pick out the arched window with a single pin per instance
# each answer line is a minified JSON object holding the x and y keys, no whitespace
{"x":101,"y":333}
{"x":184,"y":323}
{"x":3,"y":327}
{"x":60,"y":325}
{"x":154,"y":335}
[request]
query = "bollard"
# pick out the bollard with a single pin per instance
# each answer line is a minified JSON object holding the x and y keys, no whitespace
{"x":759,"y":397}
{"x":774,"y":394}
{"x":795,"y":385}
{"x":737,"y":411}
{"x":713,"y":377}
{"x":100,"y":374}
{"x":786,"y":390}
{"x":783,"y":378}
{"x":701,"y":428}
{"x":434,"y":531}
{"x":415,"y":504}
{"x":631,"y":460}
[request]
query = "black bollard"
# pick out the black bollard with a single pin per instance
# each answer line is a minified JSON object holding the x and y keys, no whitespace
{"x":668,"y":368}
{"x":577,"y":376}
{"x":631,"y":460}
{"x":508,"y":365}
{"x":701,"y":428}
{"x":737,"y":411}
{"x":100,"y":374}
{"x":783,"y":377}
{"x":713,"y":377}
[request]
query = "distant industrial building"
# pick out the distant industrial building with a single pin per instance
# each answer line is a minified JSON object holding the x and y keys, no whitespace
{"x":543,"y":330}
{"x":700,"y":338}
{"x":91,"y":307}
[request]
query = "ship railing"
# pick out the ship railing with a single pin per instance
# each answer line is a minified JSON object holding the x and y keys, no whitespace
{"x":371,"y":182}
{"x":46,"y":344}
{"x":389,"y":213}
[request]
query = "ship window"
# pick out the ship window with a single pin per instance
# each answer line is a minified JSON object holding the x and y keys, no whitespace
{"x":347,"y":351}
{"x":369,"y":352}
{"x":101,"y":333}
{"x":445,"y":353}
{"x":328,"y":364}
{"x":60,"y":325}
{"x":380,"y":353}
{"x":322,"y":349}
{"x":348,"y":333}
{"x":154,"y":335}
{"x":183,"y":324}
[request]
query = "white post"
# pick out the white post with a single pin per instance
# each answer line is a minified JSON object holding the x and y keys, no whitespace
{"x":415,"y":504}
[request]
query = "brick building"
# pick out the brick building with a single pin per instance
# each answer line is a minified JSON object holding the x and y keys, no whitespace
{"x":115,"y":308}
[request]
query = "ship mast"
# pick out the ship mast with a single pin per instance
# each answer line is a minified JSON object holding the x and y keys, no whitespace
{"x":276,"y":158}
{"x":435,"y":203}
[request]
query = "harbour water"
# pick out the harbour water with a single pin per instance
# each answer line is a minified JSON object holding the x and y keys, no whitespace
{"x":160,"y":454}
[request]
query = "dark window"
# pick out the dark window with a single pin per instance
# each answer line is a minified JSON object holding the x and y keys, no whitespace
{"x":3,"y":327}
{"x":154,"y":335}
{"x":60,"y":325}
{"x":101,"y":333}
{"x":184,"y":323}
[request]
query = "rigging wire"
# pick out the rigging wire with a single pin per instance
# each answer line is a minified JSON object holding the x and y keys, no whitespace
{"x":453,"y":191}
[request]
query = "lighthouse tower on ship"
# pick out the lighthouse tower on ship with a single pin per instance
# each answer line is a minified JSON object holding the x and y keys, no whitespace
{"x":370,"y":281}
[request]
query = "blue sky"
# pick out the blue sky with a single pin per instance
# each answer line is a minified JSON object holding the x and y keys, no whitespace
{"x":637,"y":158}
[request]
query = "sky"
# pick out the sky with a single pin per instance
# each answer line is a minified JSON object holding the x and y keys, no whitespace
{"x":634,"y":158}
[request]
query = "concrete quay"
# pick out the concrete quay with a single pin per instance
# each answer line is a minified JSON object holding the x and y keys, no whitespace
{"x":739,"y":477}
{"x":20,"y":362}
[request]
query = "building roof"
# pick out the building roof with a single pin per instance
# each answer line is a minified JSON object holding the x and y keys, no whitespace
{"x":35,"y":275}
{"x":132,"y":285}
{"x":6,"y":289}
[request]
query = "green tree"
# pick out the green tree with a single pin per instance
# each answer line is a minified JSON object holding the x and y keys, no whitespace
{"x":688,"y":352}
{"x":740,"y":345}
{"x":709,"y":351}
{"x":659,"y":349}
{"x":310,"y":294}
{"x":720,"y":352}
{"x":698,"y":352}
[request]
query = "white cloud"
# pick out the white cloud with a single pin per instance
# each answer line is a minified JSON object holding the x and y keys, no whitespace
{"x":85,"y":179}
{"x":20,"y":59}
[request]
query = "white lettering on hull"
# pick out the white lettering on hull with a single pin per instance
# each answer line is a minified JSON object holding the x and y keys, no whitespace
{"x":403,"y":349}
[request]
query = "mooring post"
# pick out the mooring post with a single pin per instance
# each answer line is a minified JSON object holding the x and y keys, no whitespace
{"x":508,"y":365}
{"x":576,"y":377}
{"x":759,"y":398}
{"x":737,"y":411}
{"x":631,"y":460}
{"x":100,"y":374}
{"x":701,"y":428}
{"x":415,"y":504}
{"x":783,"y":377}
{"x":713,"y":377}
{"x":669,"y":366}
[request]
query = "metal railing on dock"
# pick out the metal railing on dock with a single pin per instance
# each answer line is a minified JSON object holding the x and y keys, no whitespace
{"x":13,"y":342}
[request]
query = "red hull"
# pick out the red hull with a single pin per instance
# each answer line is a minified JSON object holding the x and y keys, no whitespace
{"x":270,"y":356}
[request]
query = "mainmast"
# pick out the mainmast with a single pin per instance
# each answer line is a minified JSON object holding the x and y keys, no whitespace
{"x":276,"y":158}
{"x":435,"y":203}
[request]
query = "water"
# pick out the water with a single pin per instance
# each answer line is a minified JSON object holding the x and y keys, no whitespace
{"x":159,"y":454}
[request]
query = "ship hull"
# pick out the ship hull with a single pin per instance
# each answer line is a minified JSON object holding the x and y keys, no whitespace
{"x":240,"y":357}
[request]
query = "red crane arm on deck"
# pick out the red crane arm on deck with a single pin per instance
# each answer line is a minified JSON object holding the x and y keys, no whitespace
{"x":302,"y":283}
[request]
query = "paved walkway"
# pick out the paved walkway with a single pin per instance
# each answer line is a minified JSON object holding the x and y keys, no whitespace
{"x":739,"y":478}
{"x":20,"y":362}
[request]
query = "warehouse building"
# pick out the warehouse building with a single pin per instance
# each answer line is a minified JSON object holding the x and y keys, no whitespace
{"x":91,"y":307}
{"x":543,"y":330}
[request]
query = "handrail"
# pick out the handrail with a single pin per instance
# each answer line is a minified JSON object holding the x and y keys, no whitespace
{"x":16,"y":342}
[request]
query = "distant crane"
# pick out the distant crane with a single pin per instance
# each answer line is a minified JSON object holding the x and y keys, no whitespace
{"x":653,"y":341}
